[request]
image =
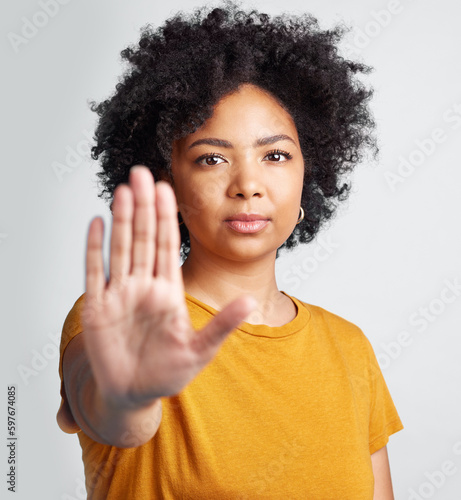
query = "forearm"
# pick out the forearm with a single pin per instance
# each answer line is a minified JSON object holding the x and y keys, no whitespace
{"x":105,"y":422}
{"x":112,"y":424}
{"x":382,"y":474}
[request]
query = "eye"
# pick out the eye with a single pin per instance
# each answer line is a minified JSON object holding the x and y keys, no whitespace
{"x":278,"y":156}
{"x":210,"y":160}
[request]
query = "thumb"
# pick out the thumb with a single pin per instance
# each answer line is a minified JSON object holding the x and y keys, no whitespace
{"x":208,"y":340}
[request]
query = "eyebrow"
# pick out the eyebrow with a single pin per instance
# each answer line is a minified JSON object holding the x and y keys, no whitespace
{"x":263,"y":141}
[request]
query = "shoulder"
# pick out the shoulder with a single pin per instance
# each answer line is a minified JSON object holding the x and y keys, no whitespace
{"x":73,"y":322}
{"x":346,"y":334}
{"x":328,"y":319}
{"x":75,"y":312}
{"x":76,"y":308}
{"x":347,"y":345}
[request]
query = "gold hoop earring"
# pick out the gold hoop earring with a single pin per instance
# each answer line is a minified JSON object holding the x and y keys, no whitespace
{"x":301,"y":215}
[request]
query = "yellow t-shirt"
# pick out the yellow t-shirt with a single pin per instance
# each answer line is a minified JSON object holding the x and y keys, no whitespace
{"x":290,"y":412}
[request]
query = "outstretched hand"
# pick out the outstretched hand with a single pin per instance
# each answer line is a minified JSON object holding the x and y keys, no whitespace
{"x":139,"y":338}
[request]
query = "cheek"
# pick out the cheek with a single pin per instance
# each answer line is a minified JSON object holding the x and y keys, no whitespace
{"x":289,"y":194}
{"x":210,"y":187}
{"x":289,"y":189}
{"x":209,"y":191}
{"x":197,"y":197}
{"x":299,"y":183}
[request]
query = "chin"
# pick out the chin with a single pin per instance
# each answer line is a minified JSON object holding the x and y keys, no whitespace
{"x":247,"y":251}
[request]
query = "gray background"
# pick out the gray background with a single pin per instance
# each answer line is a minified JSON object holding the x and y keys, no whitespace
{"x":391,"y":254}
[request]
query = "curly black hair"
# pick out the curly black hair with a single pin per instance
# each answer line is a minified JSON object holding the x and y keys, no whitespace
{"x":180,"y":70}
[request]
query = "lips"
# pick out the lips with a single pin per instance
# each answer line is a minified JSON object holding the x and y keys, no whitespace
{"x":247,"y":217}
{"x":247,"y":223}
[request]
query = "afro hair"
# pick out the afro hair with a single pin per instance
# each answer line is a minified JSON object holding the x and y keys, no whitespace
{"x":179,"y":71}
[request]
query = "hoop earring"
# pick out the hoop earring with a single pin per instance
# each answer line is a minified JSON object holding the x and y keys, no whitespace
{"x":180,"y":222}
{"x":301,"y":215}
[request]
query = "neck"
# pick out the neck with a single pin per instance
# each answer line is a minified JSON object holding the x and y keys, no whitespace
{"x":217,"y":282}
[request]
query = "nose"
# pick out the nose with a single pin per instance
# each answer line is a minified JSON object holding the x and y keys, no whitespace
{"x":246,"y":180}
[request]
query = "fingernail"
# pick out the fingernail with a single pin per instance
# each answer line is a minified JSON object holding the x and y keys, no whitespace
{"x":135,"y":167}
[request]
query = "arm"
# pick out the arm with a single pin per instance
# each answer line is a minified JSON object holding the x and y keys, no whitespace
{"x":382,"y":474}
{"x":137,"y":343}
{"x":97,"y":418}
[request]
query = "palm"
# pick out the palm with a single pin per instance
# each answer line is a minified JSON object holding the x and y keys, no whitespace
{"x":138,"y":334}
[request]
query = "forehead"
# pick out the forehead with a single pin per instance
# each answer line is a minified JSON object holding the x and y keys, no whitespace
{"x":246,"y":115}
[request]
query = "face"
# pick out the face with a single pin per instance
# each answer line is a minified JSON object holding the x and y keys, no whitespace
{"x":238,"y":179}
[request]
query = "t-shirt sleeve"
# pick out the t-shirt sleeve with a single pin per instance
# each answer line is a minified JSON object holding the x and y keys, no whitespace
{"x":384,"y":419}
{"x":72,"y":327}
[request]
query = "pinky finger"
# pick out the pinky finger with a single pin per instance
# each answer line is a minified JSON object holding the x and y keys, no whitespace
{"x":95,"y":279}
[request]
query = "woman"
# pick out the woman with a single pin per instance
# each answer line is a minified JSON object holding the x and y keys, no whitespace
{"x":247,"y":124}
